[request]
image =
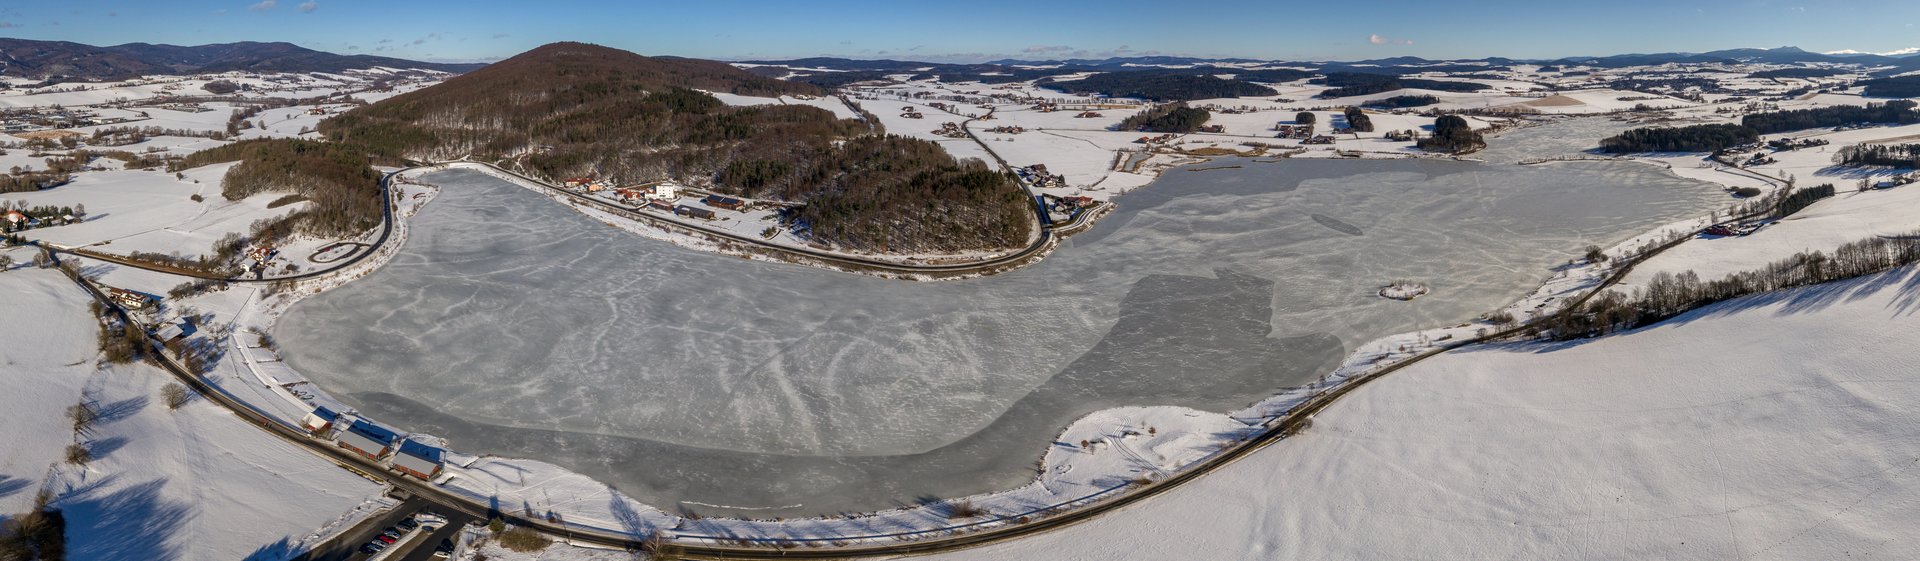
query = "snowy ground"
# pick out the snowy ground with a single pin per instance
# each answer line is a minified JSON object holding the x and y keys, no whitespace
{"x":1736,"y":431}
{"x":193,"y":483}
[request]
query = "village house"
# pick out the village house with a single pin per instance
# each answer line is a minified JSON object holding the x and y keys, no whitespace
{"x":319,"y":420}
{"x":370,"y":440}
{"x":128,"y":299}
{"x":665,"y":191}
{"x":699,"y":213}
{"x":728,"y":203}
{"x":418,"y":460}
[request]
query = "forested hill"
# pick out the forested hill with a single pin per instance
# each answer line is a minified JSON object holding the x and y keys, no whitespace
{"x":45,"y":59}
{"x":572,"y":109}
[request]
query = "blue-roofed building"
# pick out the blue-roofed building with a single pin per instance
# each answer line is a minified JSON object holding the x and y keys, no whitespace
{"x":370,"y":440}
{"x":418,"y":460}
{"x":320,"y":419}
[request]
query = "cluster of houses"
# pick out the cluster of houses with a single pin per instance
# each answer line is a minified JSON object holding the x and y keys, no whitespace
{"x":30,"y":119}
{"x":1007,"y":129}
{"x":1784,"y":144}
{"x":662,"y":196}
{"x":1213,"y":128}
{"x":1063,"y":208}
{"x":1319,"y":139}
{"x":129,"y":299}
{"x":662,"y":191}
{"x":17,"y":220}
{"x":950,"y":129}
{"x":1088,"y":115}
{"x":377,"y":443}
{"x":1294,"y":131}
{"x":1038,"y":175}
{"x":1046,"y":107}
{"x":1239,"y":110}
{"x":911,"y":113}
{"x":1156,"y":139}
{"x":1730,"y":229}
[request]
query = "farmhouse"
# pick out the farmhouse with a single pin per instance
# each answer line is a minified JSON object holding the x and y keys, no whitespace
{"x":728,"y":203}
{"x":418,"y":460}
{"x":128,"y":299}
{"x":370,"y":440}
{"x":320,"y":419}
{"x":699,"y":213}
{"x":665,"y":191}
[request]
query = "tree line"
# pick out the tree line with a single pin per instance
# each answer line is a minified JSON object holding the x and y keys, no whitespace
{"x":1897,"y":155}
{"x":1898,"y":111}
{"x":1159,"y":85}
{"x":1403,"y":101}
{"x":1358,"y":120}
{"x":1346,"y":84}
{"x":1172,"y":117}
{"x":1452,"y":133}
{"x":1667,"y":294}
{"x":1897,"y":86}
{"x":1694,"y":138}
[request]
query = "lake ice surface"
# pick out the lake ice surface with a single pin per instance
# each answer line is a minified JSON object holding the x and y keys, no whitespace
{"x":514,"y":326}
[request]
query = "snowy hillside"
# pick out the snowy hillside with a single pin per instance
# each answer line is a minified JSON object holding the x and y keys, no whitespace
{"x":192,"y":483}
{"x":1773,"y":427}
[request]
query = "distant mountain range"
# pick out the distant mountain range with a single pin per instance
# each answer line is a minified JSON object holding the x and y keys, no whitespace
{"x":1395,"y":65}
{"x":50,"y":59}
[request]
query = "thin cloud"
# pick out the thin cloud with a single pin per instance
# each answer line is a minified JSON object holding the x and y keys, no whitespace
{"x":8,"y":24}
{"x":264,"y":5}
{"x":1044,"y":49}
{"x":499,"y":35}
{"x":309,"y":6}
{"x":1379,"y":39}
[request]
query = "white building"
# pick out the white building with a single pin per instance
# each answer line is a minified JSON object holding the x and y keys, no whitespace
{"x":665,"y":191}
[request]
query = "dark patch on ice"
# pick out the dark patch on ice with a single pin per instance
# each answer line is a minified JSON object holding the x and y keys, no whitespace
{"x":1338,"y":226}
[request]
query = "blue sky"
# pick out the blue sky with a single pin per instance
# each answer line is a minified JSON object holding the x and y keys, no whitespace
{"x":984,"y":29}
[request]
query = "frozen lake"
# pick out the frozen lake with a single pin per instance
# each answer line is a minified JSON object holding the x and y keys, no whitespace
{"x":513,"y":326}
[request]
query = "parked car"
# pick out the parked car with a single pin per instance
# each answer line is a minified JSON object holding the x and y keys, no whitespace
{"x":369,"y":549}
{"x":387,"y":539}
{"x":408,"y":523}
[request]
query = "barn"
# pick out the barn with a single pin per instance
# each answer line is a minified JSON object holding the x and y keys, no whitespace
{"x":370,"y":440}
{"x":728,"y":203}
{"x":320,"y":419}
{"x":699,"y":213}
{"x":418,"y":460}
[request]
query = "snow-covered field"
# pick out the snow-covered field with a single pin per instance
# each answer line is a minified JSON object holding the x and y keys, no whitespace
{"x":1779,"y":426}
{"x":192,"y":483}
{"x":1778,"y":446}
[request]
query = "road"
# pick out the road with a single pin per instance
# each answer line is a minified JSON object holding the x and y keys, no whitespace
{"x":346,"y":546}
{"x":453,"y":506}
{"x":1040,"y":243}
{"x":461,"y":508}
